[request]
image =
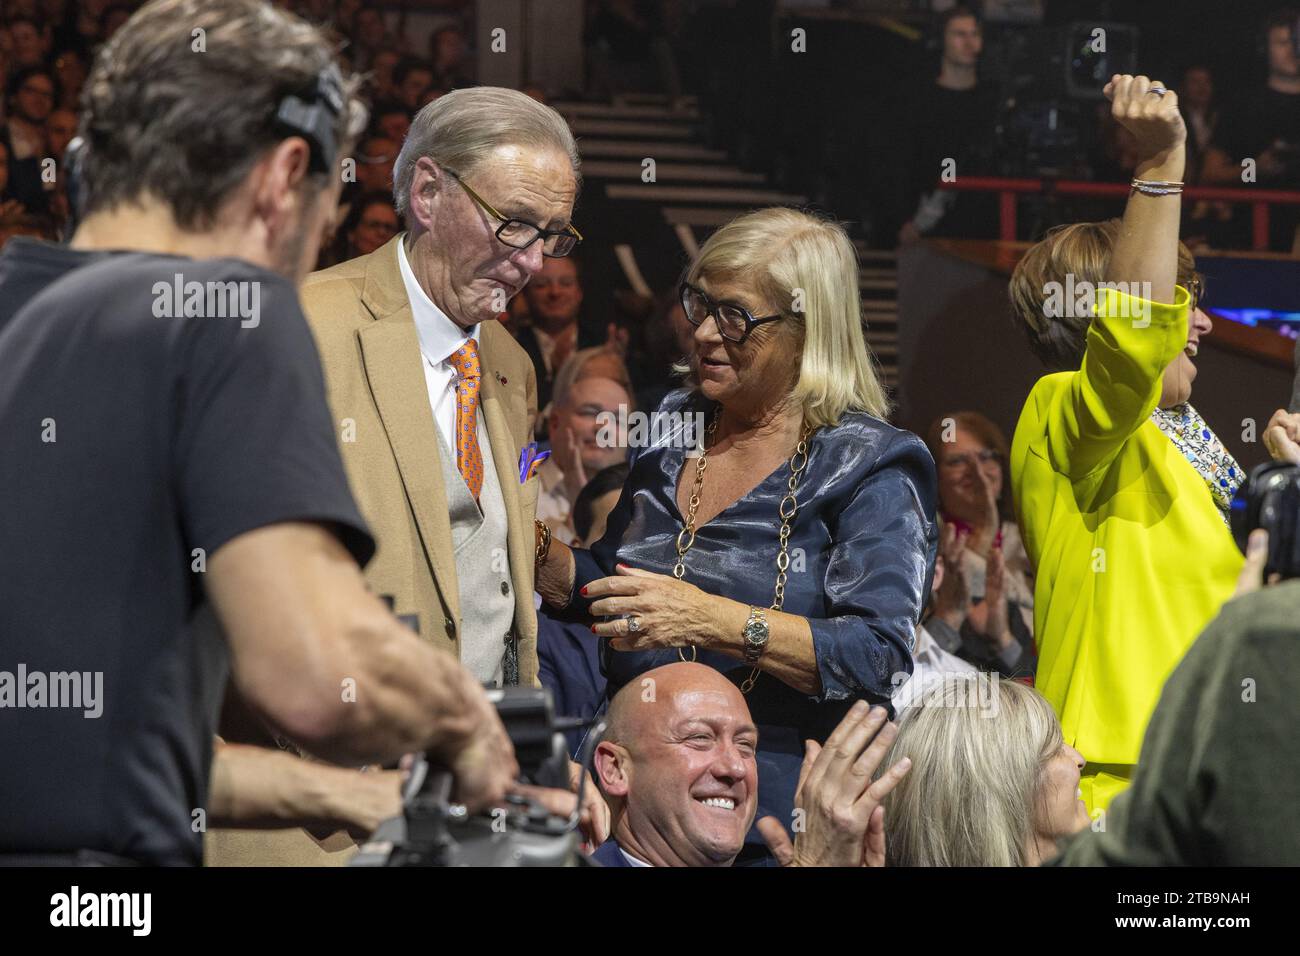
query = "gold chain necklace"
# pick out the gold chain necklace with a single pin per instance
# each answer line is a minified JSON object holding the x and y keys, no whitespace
{"x":787,"y":509}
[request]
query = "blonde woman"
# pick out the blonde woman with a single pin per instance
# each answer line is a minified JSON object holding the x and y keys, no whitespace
{"x":794,"y":554}
{"x":992,"y":781}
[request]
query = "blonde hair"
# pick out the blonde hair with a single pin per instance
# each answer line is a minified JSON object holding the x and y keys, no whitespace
{"x":1080,"y":249}
{"x":788,"y":257}
{"x":976,"y":774}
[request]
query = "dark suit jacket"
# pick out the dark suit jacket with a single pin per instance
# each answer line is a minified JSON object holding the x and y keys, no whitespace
{"x":609,"y":854}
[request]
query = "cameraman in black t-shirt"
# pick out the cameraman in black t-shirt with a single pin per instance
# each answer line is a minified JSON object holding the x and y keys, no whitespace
{"x":169,"y":454}
{"x":1264,"y":126}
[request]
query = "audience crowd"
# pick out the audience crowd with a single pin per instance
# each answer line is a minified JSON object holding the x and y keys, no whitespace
{"x":916,"y":595}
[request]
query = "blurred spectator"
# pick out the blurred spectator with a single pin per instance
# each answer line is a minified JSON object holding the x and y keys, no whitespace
{"x":931,"y":662}
{"x":1264,"y":126}
{"x":114,"y":17}
{"x":628,"y":49}
{"x":412,"y":79}
{"x":369,"y":35}
{"x":32,"y":93}
{"x":381,"y":75}
{"x":584,"y":440}
{"x":949,"y":121}
{"x":1207,"y":222}
{"x":391,"y":119}
{"x":87,"y":23}
{"x":554,"y":299}
{"x":985,"y":612}
{"x":70,"y":71}
{"x":11,"y":209}
{"x":449,"y":55}
{"x":31,"y":42}
{"x":993,"y":782}
{"x":370,"y":222}
{"x":376,"y":155}
{"x":60,"y":128}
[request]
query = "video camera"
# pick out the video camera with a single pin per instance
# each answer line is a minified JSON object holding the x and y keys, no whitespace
{"x":1270,"y":499}
{"x":435,"y":831}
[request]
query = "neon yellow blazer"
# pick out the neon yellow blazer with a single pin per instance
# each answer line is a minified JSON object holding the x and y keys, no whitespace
{"x":1133,"y":558}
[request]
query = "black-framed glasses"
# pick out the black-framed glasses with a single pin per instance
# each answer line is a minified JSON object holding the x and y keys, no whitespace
{"x":1195,"y":291}
{"x":735,"y":322}
{"x":519,"y":234}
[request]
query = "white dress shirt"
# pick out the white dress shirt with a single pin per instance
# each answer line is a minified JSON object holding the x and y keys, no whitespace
{"x":930,"y":662}
{"x":439,"y":338}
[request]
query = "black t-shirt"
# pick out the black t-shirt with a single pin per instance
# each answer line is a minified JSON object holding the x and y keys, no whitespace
{"x":131,"y":439}
{"x":28,"y":266}
{"x":1265,"y":120}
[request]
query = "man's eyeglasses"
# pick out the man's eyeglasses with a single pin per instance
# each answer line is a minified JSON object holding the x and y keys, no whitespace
{"x":959,"y":462}
{"x":1195,"y":290}
{"x":518,"y":234}
{"x":735,"y":322}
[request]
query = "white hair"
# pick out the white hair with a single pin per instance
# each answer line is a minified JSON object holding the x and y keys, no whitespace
{"x":459,"y":130}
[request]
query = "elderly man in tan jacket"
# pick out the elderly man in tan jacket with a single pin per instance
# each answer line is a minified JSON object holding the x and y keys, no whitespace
{"x":432,"y":399}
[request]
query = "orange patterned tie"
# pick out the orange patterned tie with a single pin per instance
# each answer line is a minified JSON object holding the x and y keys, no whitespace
{"x":469,"y":459}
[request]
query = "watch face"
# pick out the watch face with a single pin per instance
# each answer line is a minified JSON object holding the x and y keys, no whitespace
{"x":755,"y":632}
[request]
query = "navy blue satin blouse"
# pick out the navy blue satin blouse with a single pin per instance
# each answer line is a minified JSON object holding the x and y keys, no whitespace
{"x":862,"y":550}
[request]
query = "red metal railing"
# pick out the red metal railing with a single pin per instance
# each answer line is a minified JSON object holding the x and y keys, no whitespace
{"x":1259,"y":200}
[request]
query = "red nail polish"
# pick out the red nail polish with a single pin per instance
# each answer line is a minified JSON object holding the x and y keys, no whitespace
{"x":583,"y":590}
{"x":593,"y":628}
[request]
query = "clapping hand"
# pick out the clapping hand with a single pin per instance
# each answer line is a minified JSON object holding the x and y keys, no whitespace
{"x":842,"y":811}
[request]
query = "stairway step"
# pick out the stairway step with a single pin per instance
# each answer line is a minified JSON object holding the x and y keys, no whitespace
{"x":658,"y":192}
{"x":676,"y":172}
{"x":631,"y":129}
{"x":631,"y":111}
{"x":640,"y":149}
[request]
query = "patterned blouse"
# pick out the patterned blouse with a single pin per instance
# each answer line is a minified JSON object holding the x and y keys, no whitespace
{"x":1202,"y":448}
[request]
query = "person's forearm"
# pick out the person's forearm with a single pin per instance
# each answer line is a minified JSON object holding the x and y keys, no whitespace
{"x":555,"y":576}
{"x":790,"y":656}
{"x":1147,"y":247}
{"x":257,"y":788}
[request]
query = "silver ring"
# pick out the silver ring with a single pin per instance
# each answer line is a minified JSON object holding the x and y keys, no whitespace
{"x":1158,"y":90}
{"x":633,"y":624}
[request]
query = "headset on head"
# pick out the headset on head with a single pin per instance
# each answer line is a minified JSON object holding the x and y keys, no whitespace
{"x":312,"y":114}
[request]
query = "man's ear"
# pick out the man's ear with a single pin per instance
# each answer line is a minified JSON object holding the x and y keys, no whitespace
{"x":278,"y":182}
{"x":426,"y":185}
{"x":611,"y":768}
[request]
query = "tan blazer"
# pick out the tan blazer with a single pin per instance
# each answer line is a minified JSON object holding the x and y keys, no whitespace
{"x":365,"y":331}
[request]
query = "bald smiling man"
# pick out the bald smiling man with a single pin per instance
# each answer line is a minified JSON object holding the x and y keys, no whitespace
{"x":677,"y":769}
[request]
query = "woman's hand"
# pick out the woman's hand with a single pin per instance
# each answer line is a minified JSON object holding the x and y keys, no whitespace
{"x":668,"y":612}
{"x":843,"y":817}
{"x":952,"y":602}
{"x":992,"y":524}
{"x":1152,"y":118}
{"x":1282,"y":436}
{"x":990,"y":618}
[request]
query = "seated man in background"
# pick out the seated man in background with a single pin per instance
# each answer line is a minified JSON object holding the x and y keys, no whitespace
{"x":585,"y":430}
{"x":677,"y":768}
